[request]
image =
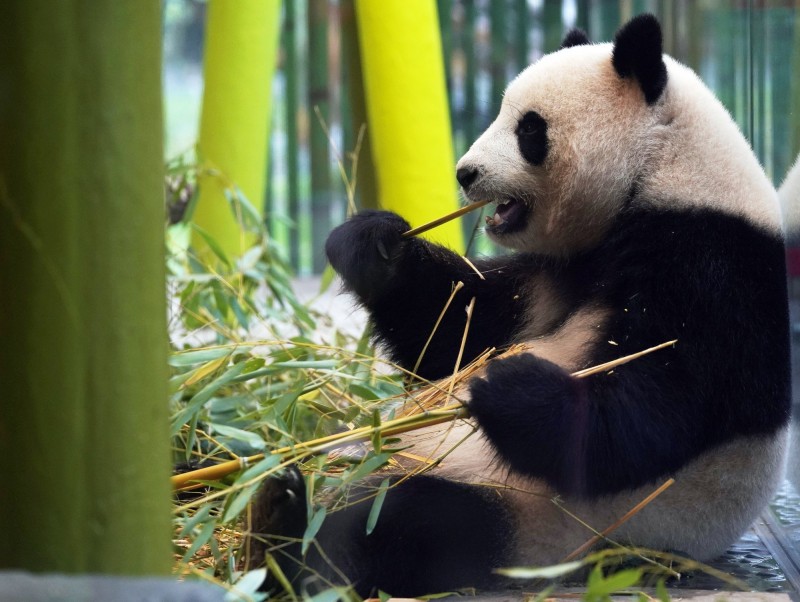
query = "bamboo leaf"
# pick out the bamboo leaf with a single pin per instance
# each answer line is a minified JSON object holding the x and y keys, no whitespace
{"x":212,"y":244}
{"x":547,"y":572}
{"x":328,"y":276}
{"x":239,"y":502}
{"x":254,"y":440}
{"x":661,"y":591}
{"x":308,"y":364}
{"x":377,"y":504}
{"x":277,"y":572}
{"x":368,"y":466}
{"x":198,"y":517}
{"x":246,"y":588}
{"x":329,"y":595}
{"x":259,"y":468}
{"x":199,"y":356}
{"x":208,"y":368}
{"x":202,"y":538}
{"x":205,"y":394}
{"x":313,"y":528}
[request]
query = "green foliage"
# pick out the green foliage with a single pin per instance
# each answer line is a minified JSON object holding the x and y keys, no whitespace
{"x":253,"y":369}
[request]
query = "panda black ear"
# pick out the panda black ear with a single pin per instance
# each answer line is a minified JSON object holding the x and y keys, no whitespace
{"x":637,"y":53}
{"x":575,"y":37}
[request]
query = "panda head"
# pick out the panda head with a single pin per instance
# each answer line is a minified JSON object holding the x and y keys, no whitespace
{"x":588,"y":129}
{"x":573,"y":133}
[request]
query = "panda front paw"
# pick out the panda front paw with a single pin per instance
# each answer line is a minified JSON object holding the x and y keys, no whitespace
{"x":519,"y":405}
{"x":364,"y":248}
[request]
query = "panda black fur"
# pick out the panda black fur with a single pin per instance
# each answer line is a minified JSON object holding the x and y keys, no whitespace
{"x":639,"y":215}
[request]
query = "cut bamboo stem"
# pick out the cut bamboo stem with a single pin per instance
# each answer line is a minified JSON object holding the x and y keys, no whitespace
{"x":445,"y":218}
{"x":625,"y":518}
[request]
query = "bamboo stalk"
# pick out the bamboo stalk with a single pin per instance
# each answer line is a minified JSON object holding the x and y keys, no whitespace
{"x":398,"y":426}
{"x":625,"y":518}
{"x":623,"y":360}
{"x":459,"y":285}
{"x":445,"y":218}
{"x":389,"y":428}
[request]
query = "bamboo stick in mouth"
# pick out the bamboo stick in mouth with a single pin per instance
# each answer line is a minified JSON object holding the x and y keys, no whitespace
{"x":446,"y":218}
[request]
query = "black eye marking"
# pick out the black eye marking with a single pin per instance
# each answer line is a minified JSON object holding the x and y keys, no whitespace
{"x":532,"y":137}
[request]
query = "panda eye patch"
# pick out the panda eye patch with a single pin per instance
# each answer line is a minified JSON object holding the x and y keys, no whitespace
{"x":532,"y":137}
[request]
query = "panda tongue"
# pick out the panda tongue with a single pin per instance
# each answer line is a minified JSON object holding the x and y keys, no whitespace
{"x":502,"y":212}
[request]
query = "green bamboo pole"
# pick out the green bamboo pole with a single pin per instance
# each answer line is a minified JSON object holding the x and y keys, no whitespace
{"x":472,"y":126}
{"x":319,"y":108}
{"x":292,"y":70}
{"x":521,"y":26}
{"x":84,"y":451}
{"x":498,"y":13}
{"x":355,"y":110}
{"x":240,"y":54}
{"x":552,"y":25}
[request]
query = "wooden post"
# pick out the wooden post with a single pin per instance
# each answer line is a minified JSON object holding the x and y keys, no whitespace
{"x":84,"y":447}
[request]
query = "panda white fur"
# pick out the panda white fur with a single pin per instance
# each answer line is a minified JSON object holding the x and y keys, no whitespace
{"x":639,"y":215}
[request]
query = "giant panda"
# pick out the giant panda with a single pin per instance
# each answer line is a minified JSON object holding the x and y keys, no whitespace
{"x":637,"y":214}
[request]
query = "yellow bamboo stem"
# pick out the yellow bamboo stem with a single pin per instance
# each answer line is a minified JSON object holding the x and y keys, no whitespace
{"x":625,"y":518}
{"x":445,"y":218}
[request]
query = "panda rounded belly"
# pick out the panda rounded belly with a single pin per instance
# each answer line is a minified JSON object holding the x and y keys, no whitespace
{"x":714,"y":499}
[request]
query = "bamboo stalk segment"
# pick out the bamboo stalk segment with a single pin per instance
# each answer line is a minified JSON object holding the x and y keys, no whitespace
{"x":625,"y":518}
{"x":445,"y":218}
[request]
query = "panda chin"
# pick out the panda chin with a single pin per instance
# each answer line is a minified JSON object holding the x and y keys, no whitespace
{"x":508,"y":217}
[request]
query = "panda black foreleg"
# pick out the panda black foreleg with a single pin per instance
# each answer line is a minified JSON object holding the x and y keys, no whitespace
{"x":405,"y":284}
{"x":432,"y":535}
{"x":587,"y":437}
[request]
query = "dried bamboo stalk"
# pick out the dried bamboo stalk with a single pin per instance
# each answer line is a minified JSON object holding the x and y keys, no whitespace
{"x":625,"y":518}
{"x":445,"y":218}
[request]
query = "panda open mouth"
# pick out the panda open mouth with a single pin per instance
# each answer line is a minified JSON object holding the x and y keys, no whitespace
{"x":508,"y":217}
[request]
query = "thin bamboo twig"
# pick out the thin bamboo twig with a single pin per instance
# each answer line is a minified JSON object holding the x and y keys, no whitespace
{"x":472,"y":265}
{"x":459,"y":285}
{"x":622,"y":360}
{"x":445,"y":218}
{"x":625,"y":518}
{"x":470,"y":309}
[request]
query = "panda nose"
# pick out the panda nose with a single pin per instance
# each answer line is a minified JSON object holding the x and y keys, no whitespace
{"x":466,"y":176}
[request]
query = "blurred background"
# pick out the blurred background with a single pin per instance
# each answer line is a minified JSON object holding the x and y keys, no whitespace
{"x":744,"y":50}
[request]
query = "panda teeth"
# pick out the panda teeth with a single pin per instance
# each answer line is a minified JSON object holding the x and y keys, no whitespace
{"x":494,"y":220}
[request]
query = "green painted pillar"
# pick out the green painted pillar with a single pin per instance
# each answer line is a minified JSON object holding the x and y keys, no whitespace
{"x":84,"y":448}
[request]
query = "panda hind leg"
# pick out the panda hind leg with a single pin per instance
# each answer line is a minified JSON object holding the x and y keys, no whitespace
{"x":432,"y":536}
{"x":278,"y":521}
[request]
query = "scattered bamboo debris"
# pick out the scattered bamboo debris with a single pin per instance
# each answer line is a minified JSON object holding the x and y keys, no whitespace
{"x":422,"y":413}
{"x":445,"y":218}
